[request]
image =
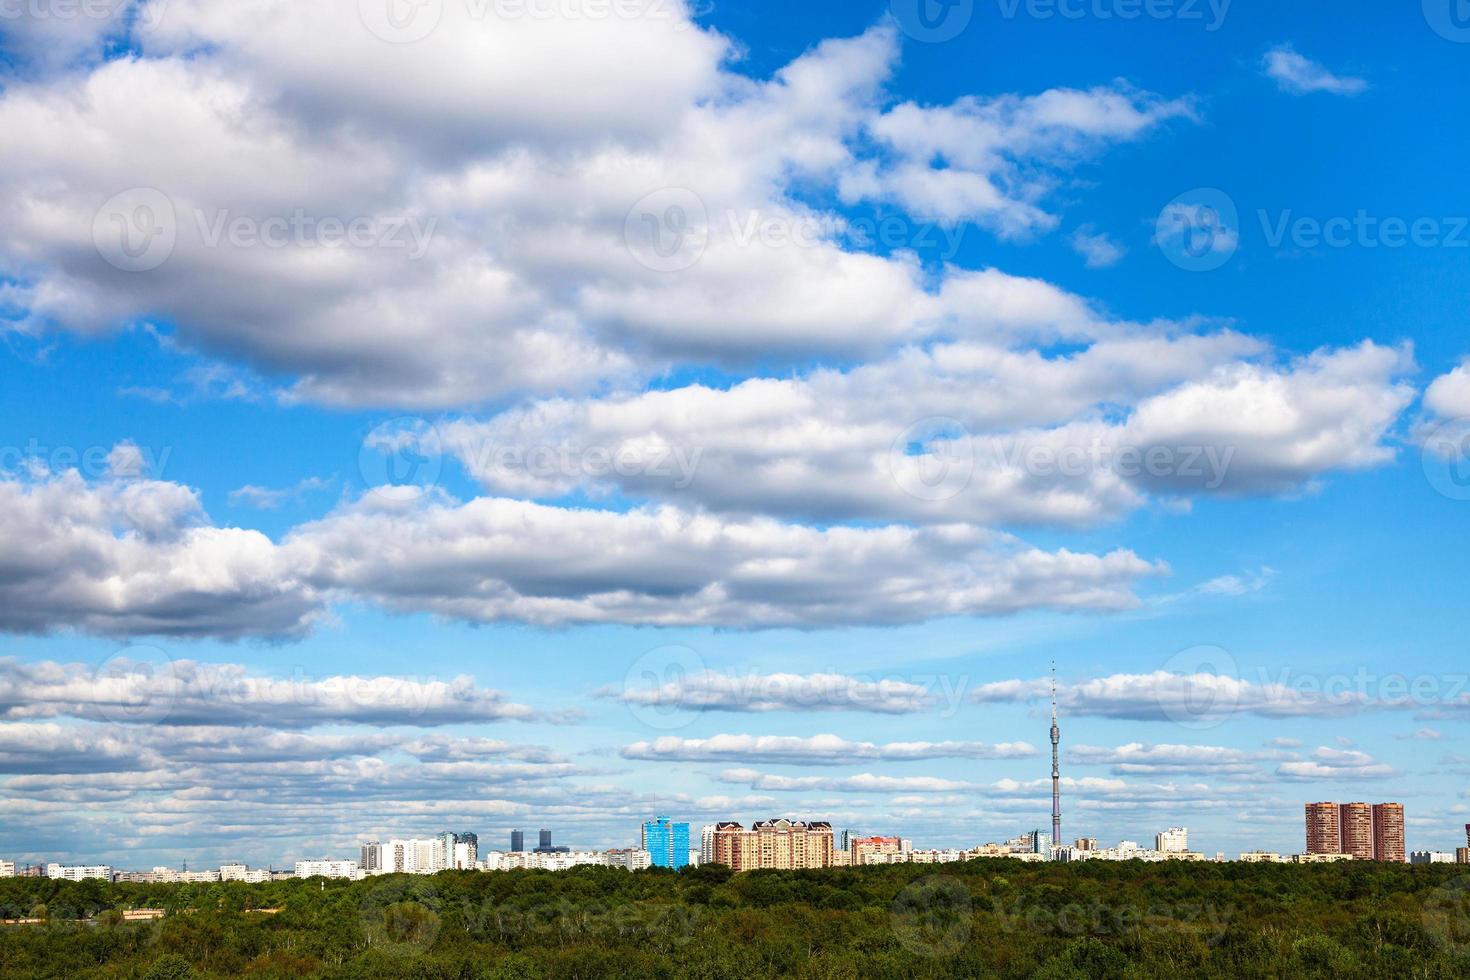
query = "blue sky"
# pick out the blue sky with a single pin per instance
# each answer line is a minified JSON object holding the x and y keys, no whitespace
{"x":242,"y":541}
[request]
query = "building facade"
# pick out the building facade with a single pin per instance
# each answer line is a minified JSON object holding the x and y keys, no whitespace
{"x":781,"y":844}
{"x":666,"y":841}
{"x":1388,"y":832}
{"x":1356,"y":830}
{"x":79,"y":872}
{"x":1322,"y":829}
{"x":1175,"y":840}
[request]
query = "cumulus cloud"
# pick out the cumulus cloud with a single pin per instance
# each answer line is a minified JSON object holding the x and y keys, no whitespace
{"x":965,"y":432}
{"x":815,"y":749}
{"x":960,"y":162}
{"x":137,"y":557}
{"x":495,"y":210}
{"x":1180,"y":697}
{"x":491,"y":559}
{"x":1148,"y":759}
{"x":754,"y":692}
{"x":1300,"y":75}
{"x":185,"y":693}
{"x":1326,"y":763}
{"x":1097,"y":248}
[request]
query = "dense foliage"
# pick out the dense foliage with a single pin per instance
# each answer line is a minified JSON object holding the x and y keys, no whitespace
{"x":991,"y":918}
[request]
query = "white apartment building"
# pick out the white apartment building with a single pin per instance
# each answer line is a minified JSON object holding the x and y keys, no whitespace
{"x":1262,"y":857}
{"x":1175,"y":840}
{"x":79,"y":872}
{"x":327,"y":869}
{"x":707,"y":844}
{"x":1431,"y":857}
{"x":7,"y":869}
{"x":241,"y":872}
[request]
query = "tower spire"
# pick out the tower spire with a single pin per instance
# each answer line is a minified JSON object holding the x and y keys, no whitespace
{"x":1056,"y":770}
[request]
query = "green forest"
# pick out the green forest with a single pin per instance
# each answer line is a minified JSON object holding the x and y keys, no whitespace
{"x":987,"y":918}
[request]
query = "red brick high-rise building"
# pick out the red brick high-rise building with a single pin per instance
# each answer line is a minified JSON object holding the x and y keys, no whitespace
{"x":1322,"y":829}
{"x":1388,"y":832}
{"x":1366,"y":832}
{"x":1355,"y":830}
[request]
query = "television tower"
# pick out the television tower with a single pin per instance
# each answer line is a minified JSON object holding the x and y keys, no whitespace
{"x":1056,"y":770}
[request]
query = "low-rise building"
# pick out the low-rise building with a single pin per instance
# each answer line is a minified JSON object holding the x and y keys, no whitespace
{"x":327,"y":868}
{"x":241,"y":872}
{"x":79,"y":872}
{"x":1262,"y":857}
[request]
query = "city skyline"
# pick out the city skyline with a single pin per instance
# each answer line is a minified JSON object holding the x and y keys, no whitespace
{"x":733,"y":415}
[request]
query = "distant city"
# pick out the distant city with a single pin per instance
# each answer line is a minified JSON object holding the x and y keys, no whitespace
{"x":1334,"y":832}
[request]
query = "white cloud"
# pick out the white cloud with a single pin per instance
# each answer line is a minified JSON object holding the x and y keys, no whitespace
{"x":183,"y":692}
{"x":754,"y":692}
{"x":1344,"y":764}
{"x":137,"y":557}
{"x":491,"y":560}
{"x":1147,"y":759}
{"x":1003,"y":435}
{"x":1300,"y":75}
{"x":1448,"y":396}
{"x":1100,"y":251}
{"x":815,"y":749}
{"x":1179,"y":697}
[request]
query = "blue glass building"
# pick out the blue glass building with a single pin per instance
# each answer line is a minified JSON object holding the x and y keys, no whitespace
{"x":666,"y":842}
